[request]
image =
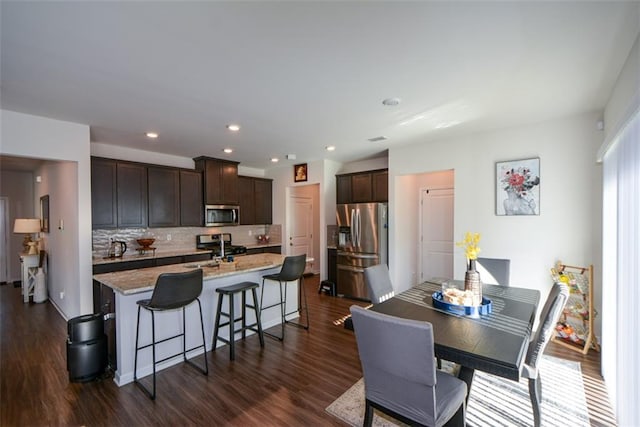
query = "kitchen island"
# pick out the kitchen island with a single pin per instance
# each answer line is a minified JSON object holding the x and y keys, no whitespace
{"x":133,"y":285}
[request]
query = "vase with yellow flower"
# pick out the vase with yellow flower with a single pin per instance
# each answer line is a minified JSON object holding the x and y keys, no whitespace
{"x":472,"y":277}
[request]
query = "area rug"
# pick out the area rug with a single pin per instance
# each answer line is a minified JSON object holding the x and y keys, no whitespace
{"x":496,"y":401}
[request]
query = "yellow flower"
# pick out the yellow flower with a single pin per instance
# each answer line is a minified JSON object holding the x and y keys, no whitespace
{"x":470,"y":245}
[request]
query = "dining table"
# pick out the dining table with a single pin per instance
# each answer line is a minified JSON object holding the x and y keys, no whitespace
{"x":495,"y":343}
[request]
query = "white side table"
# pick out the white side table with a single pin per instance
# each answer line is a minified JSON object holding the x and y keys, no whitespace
{"x":29,"y":270}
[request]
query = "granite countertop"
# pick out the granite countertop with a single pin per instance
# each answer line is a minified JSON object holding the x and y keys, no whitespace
{"x":144,"y":279}
{"x":135,"y":256}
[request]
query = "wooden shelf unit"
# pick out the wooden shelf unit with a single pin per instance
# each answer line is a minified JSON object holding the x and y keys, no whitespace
{"x":578,"y":314}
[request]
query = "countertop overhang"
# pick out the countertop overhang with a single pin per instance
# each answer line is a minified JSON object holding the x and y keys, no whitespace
{"x":144,"y":279}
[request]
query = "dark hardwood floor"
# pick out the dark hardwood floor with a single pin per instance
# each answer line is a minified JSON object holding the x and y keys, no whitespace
{"x":286,"y":383}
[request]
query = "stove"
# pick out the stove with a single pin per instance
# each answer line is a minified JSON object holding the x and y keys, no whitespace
{"x":213,"y":242}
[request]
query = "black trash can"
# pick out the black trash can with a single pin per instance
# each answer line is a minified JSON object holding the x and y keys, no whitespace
{"x":86,"y":348}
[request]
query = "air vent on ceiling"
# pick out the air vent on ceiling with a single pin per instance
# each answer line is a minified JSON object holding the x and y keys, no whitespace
{"x":378,"y":139}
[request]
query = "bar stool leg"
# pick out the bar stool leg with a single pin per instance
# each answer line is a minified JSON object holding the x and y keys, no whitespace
{"x":244,"y":314}
{"x":258,"y":321}
{"x":217,"y":324}
{"x":232,"y":333}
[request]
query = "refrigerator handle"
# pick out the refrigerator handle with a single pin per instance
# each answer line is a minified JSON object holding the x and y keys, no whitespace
{"x":359,"y":231}
{"x":353,"y":227}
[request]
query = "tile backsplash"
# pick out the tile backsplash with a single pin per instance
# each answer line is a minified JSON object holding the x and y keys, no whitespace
{"x":180,"y":238}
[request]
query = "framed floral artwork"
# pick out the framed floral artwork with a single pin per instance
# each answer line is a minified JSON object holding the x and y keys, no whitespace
{"x":518,"y":187}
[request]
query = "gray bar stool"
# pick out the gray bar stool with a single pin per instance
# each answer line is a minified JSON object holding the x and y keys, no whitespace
{"x":172,"y":291}
{"x":292,"y":270}
{"x":230,"y":291}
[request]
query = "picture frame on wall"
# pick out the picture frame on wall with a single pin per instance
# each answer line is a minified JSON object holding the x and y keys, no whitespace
{"x":44,"y":214}
{"x":518,"y":187}
{"x":300,"y":172}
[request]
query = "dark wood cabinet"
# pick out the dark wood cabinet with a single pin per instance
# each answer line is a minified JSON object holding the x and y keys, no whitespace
{"x":332,"y":265}
{"x":247,"y":200}
{"x":191,"y":206}
{"x":164,"y":197}
{"x":104,"y":302}
{"x":380,"y":186}
{"x":265,"y":250}
{"x":132,"y":194}
{"x":255,"y":196}
{"x":343,"y":189}
{"x":263,"y":189}
{"x":149,"y":262}
{"x":104,"y":207}
{"x":220,"y":180}
{"x":127,"y":194}
{"x":363,"y":187}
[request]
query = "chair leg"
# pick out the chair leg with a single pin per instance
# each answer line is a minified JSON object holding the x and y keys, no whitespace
{"x":135,"y":360}
{"x":216,"y":325}
{"x":535,"y":393}
{"x":243,"y":308}
{"x":368,"y":414}
{"x":459,"y":418}
{"x":204,"y":345}
{"x":232,"y":332}
{"x":302,"y":297}
{"x":258,"y":320}
{"x":282,"y":305}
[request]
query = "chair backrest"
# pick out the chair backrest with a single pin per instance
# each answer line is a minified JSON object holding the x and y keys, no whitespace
{"x":494,"y":271}
{"x":175,"y":290}
{"x":293,"y":267}
{"x":378,"y":283}
{"x":398,"y":364}
{"x":546,"y":326}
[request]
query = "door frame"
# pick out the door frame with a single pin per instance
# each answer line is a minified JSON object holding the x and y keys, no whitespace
{"x":312,"y":191}
{"x":4,"y":239}
{"x":421,"y":253}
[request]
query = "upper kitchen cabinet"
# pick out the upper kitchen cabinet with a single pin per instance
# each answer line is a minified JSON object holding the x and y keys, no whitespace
{"x":220,"y":180}
{"x":164,"y":196}
{"x":191,"y":198}
{"x":363,"y":187}
{"x":131,"y":194}
{"x":104,"y":208}
{"x":255,"y":200}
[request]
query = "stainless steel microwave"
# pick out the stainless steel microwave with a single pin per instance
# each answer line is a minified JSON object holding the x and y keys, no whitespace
{"x":221,"y":215}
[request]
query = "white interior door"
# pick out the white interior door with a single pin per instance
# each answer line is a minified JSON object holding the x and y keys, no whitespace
{"x":436,"y":233}
{"x":301,"y":229}
{"x":4,"y":230}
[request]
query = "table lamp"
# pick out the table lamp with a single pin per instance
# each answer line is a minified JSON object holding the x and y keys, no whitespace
{"x":28,"y":226}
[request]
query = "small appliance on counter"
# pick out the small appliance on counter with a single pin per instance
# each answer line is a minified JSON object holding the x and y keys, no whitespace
{"x":219,"y":244}
{"x":117,"y":248}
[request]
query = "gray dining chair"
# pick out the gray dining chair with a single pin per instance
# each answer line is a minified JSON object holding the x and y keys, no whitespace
{"x":378,"y":283}
{"x":494,"y":271}
{"x":400,"y":377}
{"x":548,"y":319}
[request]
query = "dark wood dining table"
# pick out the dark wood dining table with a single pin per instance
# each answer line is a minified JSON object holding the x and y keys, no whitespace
{"x":495,"y":343}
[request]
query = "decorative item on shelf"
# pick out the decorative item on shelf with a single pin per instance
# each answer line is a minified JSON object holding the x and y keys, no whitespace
{"x":263,"y":239}
{"x":28,"y":226}
{"x":472,"y":277}
{"x":145,"y":245}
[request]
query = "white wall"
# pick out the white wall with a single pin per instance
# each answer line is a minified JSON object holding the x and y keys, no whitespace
{"x":625,"y":97}
{"x":568,"y":227}
{"x":142,"y":156}
{"x":321,"y":172}
{"x":42,"y":138}
{"x":365,"y":165}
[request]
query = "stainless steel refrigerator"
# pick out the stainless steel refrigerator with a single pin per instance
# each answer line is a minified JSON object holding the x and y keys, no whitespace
{"x":362,"y":242}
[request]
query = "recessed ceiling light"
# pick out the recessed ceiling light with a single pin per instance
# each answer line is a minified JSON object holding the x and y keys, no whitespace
{"x":233,"y":128}
{"x":274,"y":160}
{"x":228,"y":150}
{"x":152,"y":135}
{"x":391,"y":102}
{"x":330,"y":147}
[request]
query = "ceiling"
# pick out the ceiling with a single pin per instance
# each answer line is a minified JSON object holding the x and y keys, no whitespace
{"x":299,"y":76}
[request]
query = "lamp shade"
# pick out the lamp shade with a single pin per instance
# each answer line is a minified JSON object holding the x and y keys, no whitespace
{"x":26,"y":225}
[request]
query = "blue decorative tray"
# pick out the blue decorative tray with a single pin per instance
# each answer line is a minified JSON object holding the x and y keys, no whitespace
{"x":461,"y":310}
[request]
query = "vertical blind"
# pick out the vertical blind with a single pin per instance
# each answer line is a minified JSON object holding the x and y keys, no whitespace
{"x":620,"y":275}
